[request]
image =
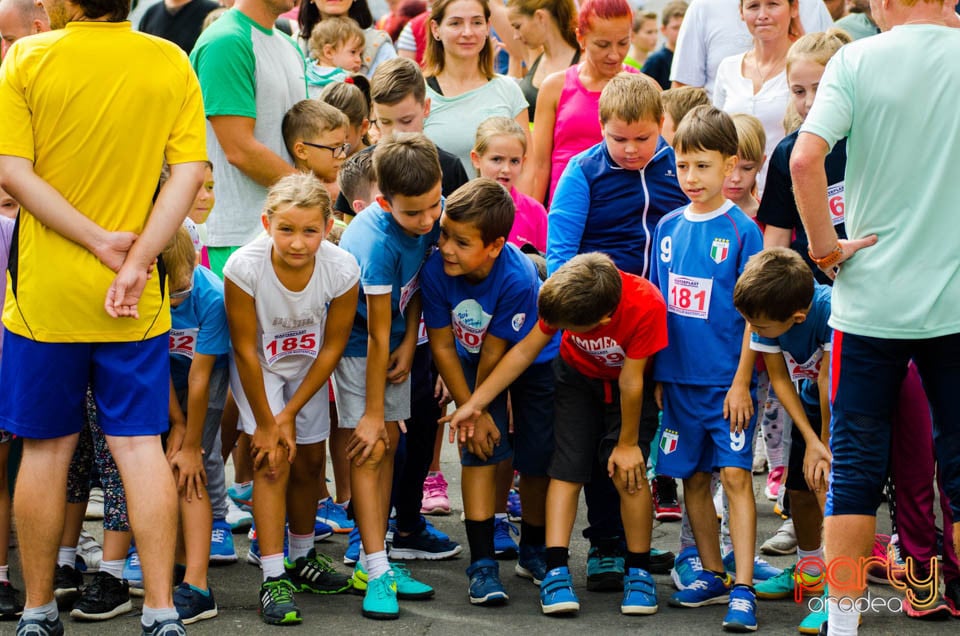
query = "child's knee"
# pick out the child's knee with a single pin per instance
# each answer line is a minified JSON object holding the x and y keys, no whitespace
{"x":697,"y":483}
{"x":736,"y":480}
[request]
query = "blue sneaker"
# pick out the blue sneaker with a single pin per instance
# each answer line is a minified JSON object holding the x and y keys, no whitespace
{"x":605,"y":567}
{"x":762,"y":570}
{"x":686,"y":568}
{"x":514,"y":509}
{"x":531,"y":563}
{"x":169,"y":627}
{"x":221,"y":543}
{"x":38,"y":627}
{"x":334,"y":515}
{"x":741,"y":610}
{"x":432,"y":546}
{"x":352,"y":555}
{"x":485,"y":585}
{"x":132,"y":572}
{"x":193,"y":605}
{"x":380,"y":601}
{"x":408,"y":588}
{"x":242,"y":495}
{"x":556,"y":593}
{"x":253,"y":554}
{"x":504,"y":545}
{"x":708,"y":589}
{"x":639,"y":593}
{"x":439,"y":534}
{"x":321,"y":530}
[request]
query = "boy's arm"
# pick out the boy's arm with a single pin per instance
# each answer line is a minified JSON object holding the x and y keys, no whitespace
{"x":823,"y":386}
{"x":269,"y":440}
{"x":774,"y":236}
{"x":568,"y":217}
{"x":187,"y":460}
{"x":371,"y":429}
{"x":738,"y":405}
{"x":626,"y":460}
{"x":401,"y":358}
{"x":336,"y":332}
{"x":178,"y":422}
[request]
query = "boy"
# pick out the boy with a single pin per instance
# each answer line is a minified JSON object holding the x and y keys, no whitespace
{"x":677,"y":102}
{"x":478,"y":292}
{"x":702,"y":249}
{"x":788,"y":313}
{"x":390,"y":240}
{"x":315,"y":134}
{"x":336,"y":51}
{"x":626,"y":183}
{"x":358,"y":183}
{"x":643,"y":38}
{"x":613,"y":322}
{"x":658,"y":64}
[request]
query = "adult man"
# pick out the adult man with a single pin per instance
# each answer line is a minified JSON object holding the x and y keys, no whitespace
{"x":19,"y":18}
{"x":81,"y":308}
{"x":250,"y":74}
{"x":897,"y":299}
{"x":179,"y":21}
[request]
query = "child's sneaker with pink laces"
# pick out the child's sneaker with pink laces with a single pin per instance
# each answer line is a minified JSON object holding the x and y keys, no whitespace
{"x":435,"y":499}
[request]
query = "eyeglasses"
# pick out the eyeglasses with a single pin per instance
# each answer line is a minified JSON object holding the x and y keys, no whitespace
{"x":181,"y":294}
{"x":339,"y":152}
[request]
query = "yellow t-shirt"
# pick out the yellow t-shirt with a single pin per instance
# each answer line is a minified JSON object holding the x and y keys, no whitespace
{"x":96,"y":107}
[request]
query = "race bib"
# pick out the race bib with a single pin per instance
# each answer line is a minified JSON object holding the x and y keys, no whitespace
{"x":422,"y":332}
{"x":809,"y":370}
{"x":470,"y":324}
{"x":183,"y":342}
{"x":689,"y":296}
{"x":408,"y":290}
{"x":835,"y":202}
{"x":296,"y":342}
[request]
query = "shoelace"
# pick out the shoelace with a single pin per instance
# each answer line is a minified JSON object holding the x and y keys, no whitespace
{"x":695,"y":564}
{"x":281,"y":592}
{"x":322,"y":562}
{"x":741,"y":605}
{"x":503,"y":526}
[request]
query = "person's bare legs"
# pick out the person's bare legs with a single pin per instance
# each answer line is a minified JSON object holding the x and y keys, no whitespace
{"x":807,"y":518}
{"x":152,"y":508}
{"x":738,"y":484}
{"x":703,"y":520}
{"x":303,"y":488}
{"x":562,"y":498}
{"x":848,"y":536}
{"x":338,"y":458}
{"x":5,"y":504}
{"x":42,"y":477}
{"x":372,"y":481}
{"x":73,"y":524}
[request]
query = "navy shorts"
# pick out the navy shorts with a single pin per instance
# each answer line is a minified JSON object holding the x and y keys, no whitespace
{"x":865,"y":376}
{"x":531,"y":398}
{"x":45,"y":386}
{"x":696,"y":437}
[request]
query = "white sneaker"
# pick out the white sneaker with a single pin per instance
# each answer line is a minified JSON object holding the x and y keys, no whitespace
{"x":783,"y":541}
{"x":94,"y":505}
{"x":89,"y":553}
{"x":238,"y":518}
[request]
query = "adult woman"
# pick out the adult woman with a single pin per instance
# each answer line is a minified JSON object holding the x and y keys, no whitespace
{"x":461,"y":84}
{"x":755,"y":82}
{"x":378,"y":46}
{"x":550,"y":25}
{"x":567,"y":107}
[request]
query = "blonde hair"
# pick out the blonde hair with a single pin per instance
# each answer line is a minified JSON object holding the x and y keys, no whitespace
{"x":299,"y":190}
{"x":584,"y":291}
{"x":435,"y":57}
{"x":792,"y":119}
{"x":631,"y":97}
{"x":309,"y":118}
{"x":179,"y":257}
{"x":818,"y":47}
{"x":336,"y":32}
{"x":751,"y":138}
{"x":498,"y":127}
{"x":680,"y":101}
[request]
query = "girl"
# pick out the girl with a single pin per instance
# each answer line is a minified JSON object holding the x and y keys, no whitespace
{"x":741,"y":186}
{"x":286,"y":345}
{"x":377,"y":45}
{"x":499,"y":154}
{"x":461,"y":84}
{"x":568,"y":119}
{"x":352,"y":98}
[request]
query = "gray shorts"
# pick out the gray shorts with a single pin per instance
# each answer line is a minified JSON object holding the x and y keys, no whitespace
{"x":350,"y":390}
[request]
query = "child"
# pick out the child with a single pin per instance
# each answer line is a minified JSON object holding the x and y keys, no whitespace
{"x":390,"y":240}
{"x":677,"y":102}
{"x":336,"y":51}
{"x":658,"y":64}
{"x":286,"y":344}
{"x":643,"y":38}
{"x":199,"y":344}
{"x":741,"y":186}
{"x":613,"y":322}
{"x":498,"y":154}
{"x":787,"y":313}
{"x":358,"y":183}
{"x":477,"y":293}
{"x":315,"y":134}
{"x":197,"y":217}
{"x":352,"y":98}
{"x":701,"y":250}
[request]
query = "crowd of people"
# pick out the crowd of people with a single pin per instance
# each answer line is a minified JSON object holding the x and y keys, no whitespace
{"x":618,"y":244}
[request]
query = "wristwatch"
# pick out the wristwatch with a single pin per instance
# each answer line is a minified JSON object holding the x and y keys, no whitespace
{"x":828,"y":261}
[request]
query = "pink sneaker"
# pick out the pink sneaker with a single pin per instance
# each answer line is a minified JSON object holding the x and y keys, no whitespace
{"x":435,"y":500}
{"x":772,"y":490}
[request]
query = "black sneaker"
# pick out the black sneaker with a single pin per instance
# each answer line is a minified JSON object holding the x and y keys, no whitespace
{"x":666,"y":506}
{"x":661,"y":561}
{"x":277,"y":606}
{"x":40,"y":627}
{"x":105,"y":597}
{"x":952,"y":596}
{"x":315,"y":573}
{"x":193,"y":606}
{"x":67,"y":582}
{"x":605,"y":563}
{"x":10,"y":605}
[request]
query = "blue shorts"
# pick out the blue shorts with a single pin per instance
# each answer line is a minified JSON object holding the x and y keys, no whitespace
{"x":531,"y":398}
{"x":696,"y":437}
{"x":45,"y":386}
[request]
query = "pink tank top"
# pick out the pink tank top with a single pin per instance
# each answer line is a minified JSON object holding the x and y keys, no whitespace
{"x":577,"y":125}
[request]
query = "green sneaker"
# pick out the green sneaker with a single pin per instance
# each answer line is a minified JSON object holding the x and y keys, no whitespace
{"x":408,"y":588}
{"x":276,"y":602}
{"x":315,"y":573}
{"x":784,"y":584}
{"x":380,"y":601}
{"x":812,"y":622}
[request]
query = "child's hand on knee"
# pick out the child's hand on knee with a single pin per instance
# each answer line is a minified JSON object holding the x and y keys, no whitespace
{"x":626,"y":466}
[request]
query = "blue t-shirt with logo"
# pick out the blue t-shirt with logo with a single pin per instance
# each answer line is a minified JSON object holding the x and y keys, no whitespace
{"x":199,"y":325}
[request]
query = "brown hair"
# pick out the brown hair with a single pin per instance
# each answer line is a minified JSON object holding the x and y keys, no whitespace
{"x":630,"y":97}
{"x":435,"y":57}
{"x":680,"y":101}
{"x":707,"y":128}
{"x":395,"y":79}
{"x":671,"y":10}
{"x":498,"y":126}
{"x":113,"y":10}
{"x":309,"y":118}
{"x":640,"y":17}
{"x":179,"y":257}
{"x":352,"y":98}
{"x":356,"y":176}
{"x":298,"y":190}
{"x":484,"y":204}
{"x":406,"y":164}
{"x":563,"y":12}
{"x":584,"y":291}
{"x":775,"y":284}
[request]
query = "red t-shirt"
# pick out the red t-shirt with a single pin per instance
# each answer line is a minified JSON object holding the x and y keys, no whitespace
{"x":637,"y":329}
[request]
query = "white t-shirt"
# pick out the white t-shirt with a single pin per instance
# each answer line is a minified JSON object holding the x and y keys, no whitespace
{"x":290,"y":324}
{"x":712,"y":30}
{"x":733,"y":93}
